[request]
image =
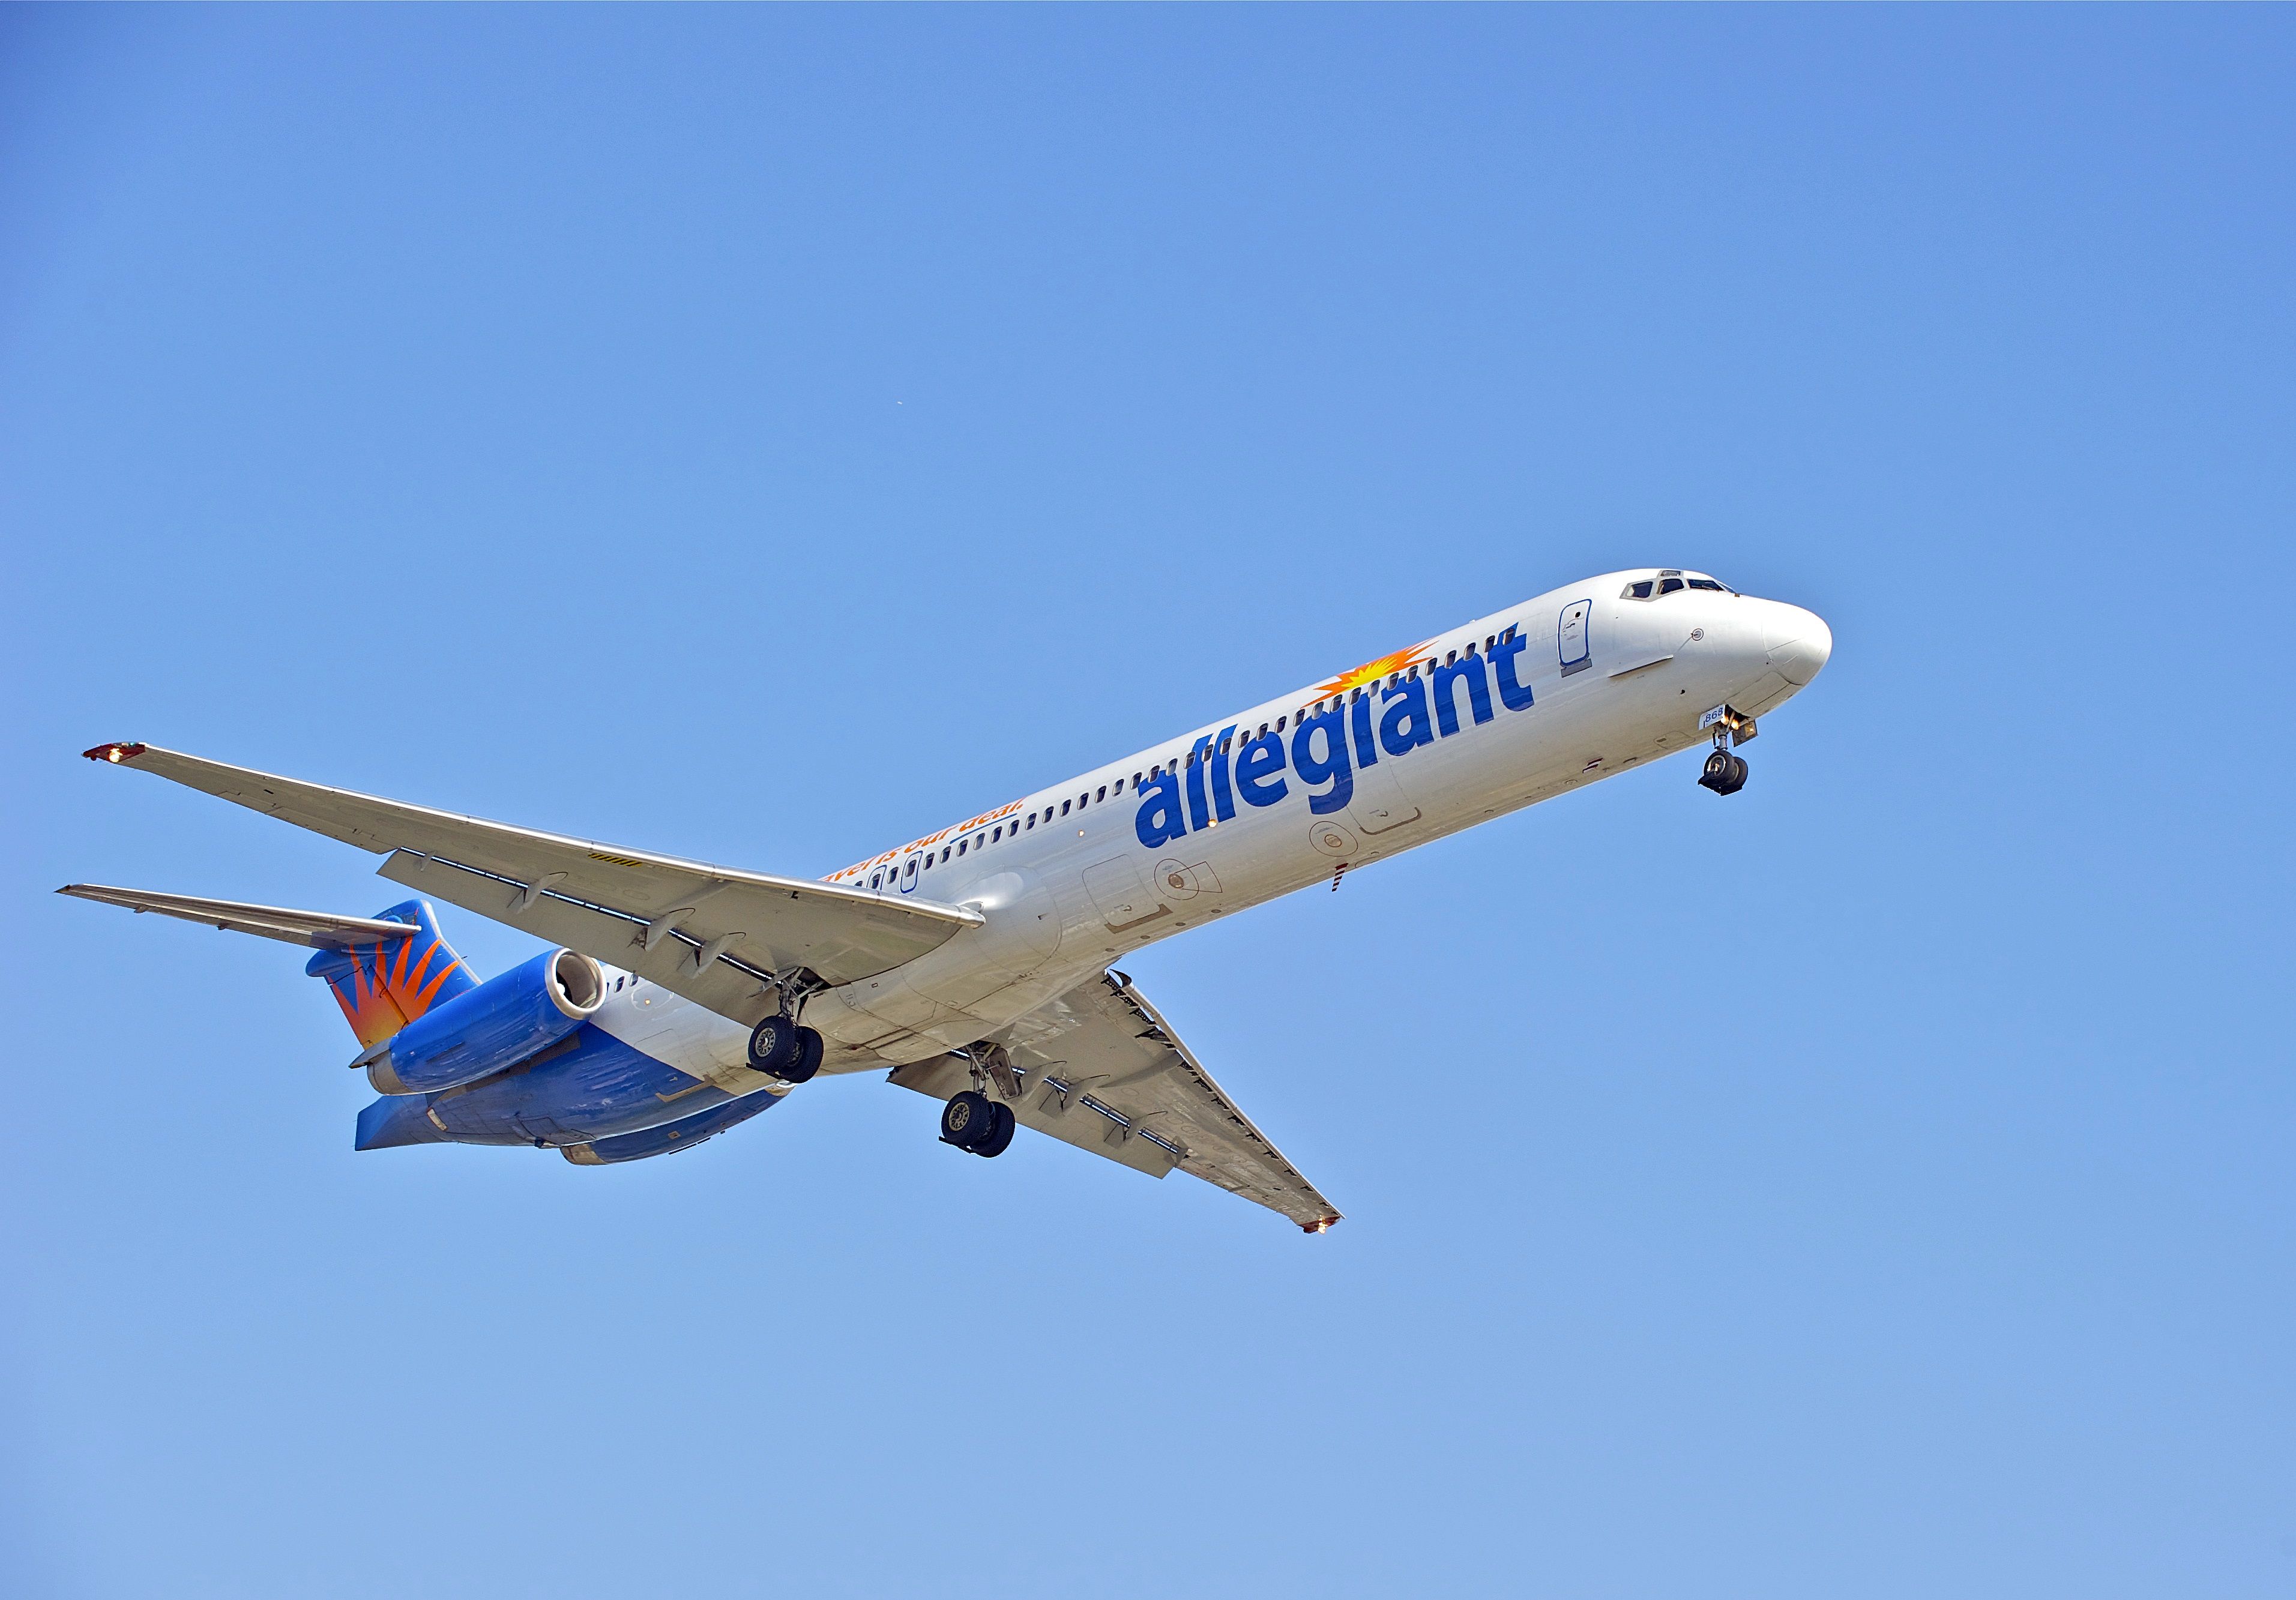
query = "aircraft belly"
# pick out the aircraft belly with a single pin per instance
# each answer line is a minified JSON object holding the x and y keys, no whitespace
{"x":603,"y":1087}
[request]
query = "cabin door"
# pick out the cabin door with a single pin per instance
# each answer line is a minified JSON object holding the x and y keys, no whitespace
{"x":1572,"y":643}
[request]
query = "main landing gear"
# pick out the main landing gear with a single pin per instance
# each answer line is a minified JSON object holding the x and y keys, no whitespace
{"x":779,"y":1048}
{"x":1725,"y":773}
{"x":973,"y":1121}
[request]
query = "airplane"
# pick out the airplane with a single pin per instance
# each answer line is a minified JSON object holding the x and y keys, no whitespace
{"x":976,"y":964}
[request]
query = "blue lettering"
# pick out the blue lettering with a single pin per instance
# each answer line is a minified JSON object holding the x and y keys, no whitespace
{"x":1479,"y":693}
{"x":1367,"y":752}
{"x":1514,"y":696}
{"x":1257,"y":758}
{"x":1406,"y":725}
{"x":1159,"y":822}
{"x":1332,"y":764}
{"x":1198,"y":816}
{"x":1223,"y":803}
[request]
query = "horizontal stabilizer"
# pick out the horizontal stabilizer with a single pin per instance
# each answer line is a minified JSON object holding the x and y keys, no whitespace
{"x":321,"y":929}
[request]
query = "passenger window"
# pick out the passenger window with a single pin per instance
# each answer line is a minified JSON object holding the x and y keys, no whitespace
{"x":1104,"y":792}
{"x":1064,"y":808}
{"x":1031,"y":822}
{"x":961,"y":844}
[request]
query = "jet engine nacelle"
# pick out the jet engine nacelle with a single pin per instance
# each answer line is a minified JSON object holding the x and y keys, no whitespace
{"x":497,"y":1024}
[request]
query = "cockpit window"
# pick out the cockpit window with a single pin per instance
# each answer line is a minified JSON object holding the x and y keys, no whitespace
{"x":1670,"y":580}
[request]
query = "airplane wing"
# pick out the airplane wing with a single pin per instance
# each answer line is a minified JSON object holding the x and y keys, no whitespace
{"x":1100,"y":1069}
{"x":718,"y":935}
{"x":321,"y":929}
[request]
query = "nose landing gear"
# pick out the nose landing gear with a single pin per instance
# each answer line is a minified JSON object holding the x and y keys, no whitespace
{"x":1725,"y":773}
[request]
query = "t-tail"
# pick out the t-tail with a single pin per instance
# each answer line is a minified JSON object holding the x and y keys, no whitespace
{"x":384,"y":985}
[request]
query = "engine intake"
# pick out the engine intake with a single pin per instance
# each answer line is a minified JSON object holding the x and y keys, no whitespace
{"x":496,"y":1025}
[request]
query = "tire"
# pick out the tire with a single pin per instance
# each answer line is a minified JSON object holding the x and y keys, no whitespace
{"x":773,"y":1046}
{"x":1725,"y":774}
{"x":969,"y":1118}
{"x":1001,"y":1134}
{"x":808,"y":1058}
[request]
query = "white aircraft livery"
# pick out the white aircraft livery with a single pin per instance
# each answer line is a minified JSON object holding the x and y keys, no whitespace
{"x":976,"y":962}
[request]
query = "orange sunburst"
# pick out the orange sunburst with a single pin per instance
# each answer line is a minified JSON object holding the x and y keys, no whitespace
{"x":383,"y":987}
{"x":1371,"y":672}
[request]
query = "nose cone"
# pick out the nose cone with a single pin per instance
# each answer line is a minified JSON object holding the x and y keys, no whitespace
{"x":1798,"y":641}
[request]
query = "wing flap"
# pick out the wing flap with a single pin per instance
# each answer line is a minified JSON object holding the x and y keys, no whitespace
{"x":708,"y":954}
{"x":1100,"y":1069}
{"x":718,"y":934}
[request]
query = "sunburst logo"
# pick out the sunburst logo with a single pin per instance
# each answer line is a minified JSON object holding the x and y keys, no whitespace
{"x":388,"y":987}
{"x":1371,"y":672}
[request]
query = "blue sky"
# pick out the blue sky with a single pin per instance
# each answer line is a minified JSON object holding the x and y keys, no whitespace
{"x":768,"y":435}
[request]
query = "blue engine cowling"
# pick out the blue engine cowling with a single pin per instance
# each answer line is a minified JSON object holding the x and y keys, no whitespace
{"x":497,"y":1024}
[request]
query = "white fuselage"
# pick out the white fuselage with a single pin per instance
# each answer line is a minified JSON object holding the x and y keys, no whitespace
{"x":1073,"y":877}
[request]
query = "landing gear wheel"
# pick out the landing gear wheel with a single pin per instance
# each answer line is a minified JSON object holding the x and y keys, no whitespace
{"x":775,"y":1045}
{"x":1001,"y":1134}
{"x":968,"y":1119}
{"x":1725,"y":773}
{"x":808,"y":1058}
{"x":973,"y":1121}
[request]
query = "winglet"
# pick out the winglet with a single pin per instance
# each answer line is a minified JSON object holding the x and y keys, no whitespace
{"x":115,"y":753}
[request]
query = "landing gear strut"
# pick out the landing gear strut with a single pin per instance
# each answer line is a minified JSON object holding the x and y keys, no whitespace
{"x":973,"y":1121}
{"x":1725,"y":773}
